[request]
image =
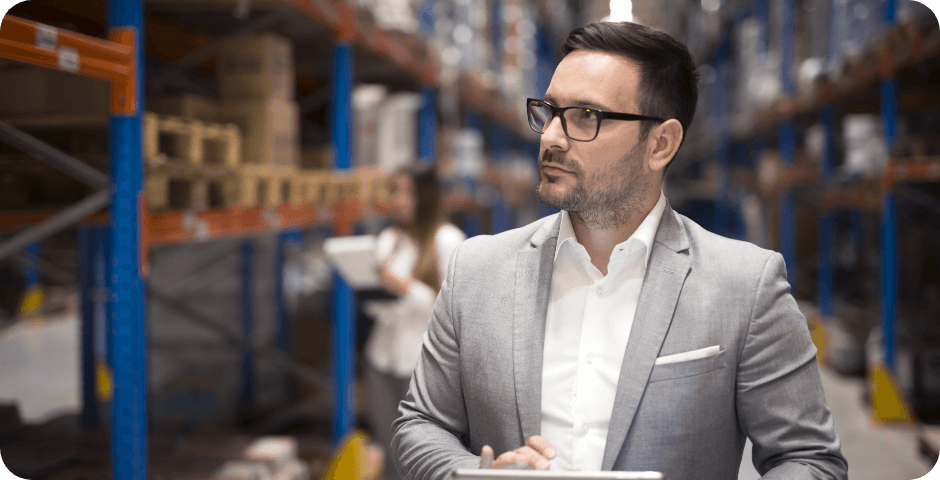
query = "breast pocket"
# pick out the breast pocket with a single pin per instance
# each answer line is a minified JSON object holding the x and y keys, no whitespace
{"x":691,"y":368}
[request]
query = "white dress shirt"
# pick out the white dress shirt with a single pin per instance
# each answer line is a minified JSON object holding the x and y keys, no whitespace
{"x":586,"y":330}
{"x":395,"y":342}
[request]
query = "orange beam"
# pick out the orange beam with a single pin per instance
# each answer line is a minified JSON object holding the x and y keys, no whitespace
{"x":36,"y":44}
{"x":20,"y":219}
{"x":18,"y":30}
{"x":916,"y":170}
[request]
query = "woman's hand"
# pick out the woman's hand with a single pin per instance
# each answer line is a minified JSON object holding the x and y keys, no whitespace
{"x":393,"y":283}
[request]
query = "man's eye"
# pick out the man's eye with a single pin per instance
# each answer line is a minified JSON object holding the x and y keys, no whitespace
{"x":589,"y":114}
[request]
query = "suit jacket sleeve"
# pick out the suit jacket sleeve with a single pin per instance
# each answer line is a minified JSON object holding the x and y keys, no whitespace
{"x":432,"y":432}
{"x":780,"y":400}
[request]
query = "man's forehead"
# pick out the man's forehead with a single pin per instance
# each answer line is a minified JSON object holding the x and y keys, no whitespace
{"x":594,"y":79}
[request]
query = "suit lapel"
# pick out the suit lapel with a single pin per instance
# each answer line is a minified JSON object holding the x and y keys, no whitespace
{"x":534,"y":265}
{"x":668,"y":266}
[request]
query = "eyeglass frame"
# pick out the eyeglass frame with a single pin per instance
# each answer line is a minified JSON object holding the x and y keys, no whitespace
{"x":601,"y":115}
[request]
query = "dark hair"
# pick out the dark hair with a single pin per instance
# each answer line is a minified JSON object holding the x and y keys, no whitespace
{"x":428,"y":218}
{"x":668,"y":81}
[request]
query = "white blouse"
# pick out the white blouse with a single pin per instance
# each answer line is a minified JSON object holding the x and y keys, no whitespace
{"x":395,"y":342}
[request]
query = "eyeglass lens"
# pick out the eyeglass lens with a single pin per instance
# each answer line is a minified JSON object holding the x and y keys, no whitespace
{"x":579,"y":124}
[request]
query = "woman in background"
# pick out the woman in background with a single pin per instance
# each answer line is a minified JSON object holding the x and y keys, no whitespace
{"x":413,"y":254}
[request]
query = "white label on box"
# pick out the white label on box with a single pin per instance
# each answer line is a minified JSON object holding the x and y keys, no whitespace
{"x":68,"y":59}
{"x":46,"y":37}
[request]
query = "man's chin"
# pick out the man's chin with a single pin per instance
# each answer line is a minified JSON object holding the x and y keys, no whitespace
{"x":551,"y":198}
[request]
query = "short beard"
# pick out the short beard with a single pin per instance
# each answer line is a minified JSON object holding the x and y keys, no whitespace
{"x":606,"y":200}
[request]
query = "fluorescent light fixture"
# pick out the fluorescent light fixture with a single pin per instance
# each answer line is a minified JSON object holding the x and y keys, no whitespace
{"x":620,"y":11}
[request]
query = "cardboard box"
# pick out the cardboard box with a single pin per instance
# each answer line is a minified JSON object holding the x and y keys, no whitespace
{"x":270,"y":130}
{"x":33,"y":91}
{"x":316,"y":157}
{"x":186,"y":106}
{"x":256,"y":67}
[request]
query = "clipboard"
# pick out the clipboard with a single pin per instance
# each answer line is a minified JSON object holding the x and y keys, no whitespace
{"x":354,"y":258}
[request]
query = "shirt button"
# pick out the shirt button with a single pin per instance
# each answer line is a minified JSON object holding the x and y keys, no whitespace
{"x":589,"y":358}
{"x":599,"y":290}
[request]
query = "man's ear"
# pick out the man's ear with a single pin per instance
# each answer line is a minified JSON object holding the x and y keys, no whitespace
{"x":665,"y":139}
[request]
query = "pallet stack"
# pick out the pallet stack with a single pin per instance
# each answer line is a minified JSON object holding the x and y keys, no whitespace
{"x":244,"y":148}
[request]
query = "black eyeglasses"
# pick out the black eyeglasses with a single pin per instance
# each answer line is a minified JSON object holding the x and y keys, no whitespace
{"x":579,"y":123}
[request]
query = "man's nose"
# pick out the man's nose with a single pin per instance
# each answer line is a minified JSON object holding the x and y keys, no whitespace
{"x":554,"y":134}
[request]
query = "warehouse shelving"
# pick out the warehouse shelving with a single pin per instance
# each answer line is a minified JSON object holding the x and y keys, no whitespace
{"x":867,"y":84}
{"x":116,"y":62}
{"x":126,"y":232}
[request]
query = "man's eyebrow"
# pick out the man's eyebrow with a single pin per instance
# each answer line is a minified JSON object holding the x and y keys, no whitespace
{"x":577,"y":103}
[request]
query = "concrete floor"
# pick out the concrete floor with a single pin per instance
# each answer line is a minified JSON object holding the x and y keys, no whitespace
{"x":39,"y":368}
{"x":40,"y":365}
{"x":874,"y":451}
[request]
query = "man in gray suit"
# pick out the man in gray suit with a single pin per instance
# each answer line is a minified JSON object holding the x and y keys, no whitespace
{"x":618,"y":334}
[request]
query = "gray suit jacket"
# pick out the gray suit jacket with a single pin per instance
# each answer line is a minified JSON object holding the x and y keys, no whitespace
{"x":479,"y":378}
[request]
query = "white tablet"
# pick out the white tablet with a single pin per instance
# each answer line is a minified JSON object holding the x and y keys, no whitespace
{"x":475,"y":474}
{"x":354,"y":257}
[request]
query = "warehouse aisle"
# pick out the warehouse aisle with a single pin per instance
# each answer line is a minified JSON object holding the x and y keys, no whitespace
{"x":874,"y":451}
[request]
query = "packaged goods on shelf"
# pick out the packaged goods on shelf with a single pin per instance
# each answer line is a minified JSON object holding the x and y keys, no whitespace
{"x":758,"y":69}
{"x":518,"y":52}
{"x":396,"y":135}
{"x":469,"y":160}
{"x":186,"y":106}
{"x":463,"y":36}
{"x":35,"y":91}
{"x":865,"y":150}
{"x":256,"y":67}
{"x":366,"y":101}
{"x":270,"y":130}
{"x":857,"y":26}
{"x":396,"y":15}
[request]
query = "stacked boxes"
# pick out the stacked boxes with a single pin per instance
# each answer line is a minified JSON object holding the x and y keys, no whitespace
{"x":256,"y":85}
{"x":43,"y":92}
{"x":186,"y":106}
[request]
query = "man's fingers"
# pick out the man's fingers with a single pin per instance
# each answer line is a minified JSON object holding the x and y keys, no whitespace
{"x":524,"y":457}
{"x":542,"y":446}
{"x":486,"y":457}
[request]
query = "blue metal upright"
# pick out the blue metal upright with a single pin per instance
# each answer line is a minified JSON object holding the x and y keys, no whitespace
{"x":32,"y":271}
{"x":246,"y":258}
{"x":427,"y":116}
{"x":427,"y":125}
{"x":787,"y":146}
{"x":473,"y":224}
{"x":721,"y":98}
{"x":86,"y":284}
{"x":343,"y":298}
{"x":889,"y":242}
{"x":127,"y":340}
{"x":824,"y":285}
{"x":786,"y":140}
{"x":500,"y":218}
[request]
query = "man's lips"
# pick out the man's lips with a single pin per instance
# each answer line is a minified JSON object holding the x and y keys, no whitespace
{"x":554,"y":169}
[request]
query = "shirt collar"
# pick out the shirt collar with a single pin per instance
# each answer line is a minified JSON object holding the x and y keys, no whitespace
{"x":645,"y":233}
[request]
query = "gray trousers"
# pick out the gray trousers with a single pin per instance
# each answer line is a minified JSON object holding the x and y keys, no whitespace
{"x":386,"y":390}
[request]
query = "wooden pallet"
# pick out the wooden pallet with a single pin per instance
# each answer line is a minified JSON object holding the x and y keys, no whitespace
{"x":267,"y":185}
{"x":183,"y":187}
{"x":168,"y":138}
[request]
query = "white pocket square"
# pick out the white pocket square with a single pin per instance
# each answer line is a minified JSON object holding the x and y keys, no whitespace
{"x":686,"y":356}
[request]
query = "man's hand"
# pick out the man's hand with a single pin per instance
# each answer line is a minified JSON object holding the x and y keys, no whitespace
{"x":533,"y":456}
